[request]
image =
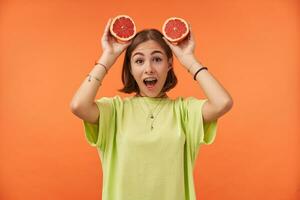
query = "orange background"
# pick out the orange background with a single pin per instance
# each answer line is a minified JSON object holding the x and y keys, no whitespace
{"x":48,"y":47}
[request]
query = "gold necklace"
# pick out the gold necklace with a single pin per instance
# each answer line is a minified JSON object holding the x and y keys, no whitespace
{"x":151,"y":115}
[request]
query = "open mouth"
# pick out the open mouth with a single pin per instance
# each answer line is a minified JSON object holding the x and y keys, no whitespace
{"x":150,"y":82}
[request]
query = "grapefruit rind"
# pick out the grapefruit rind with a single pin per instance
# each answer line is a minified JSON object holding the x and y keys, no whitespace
{"x":176,"y":40}
{"x":121,"y":39}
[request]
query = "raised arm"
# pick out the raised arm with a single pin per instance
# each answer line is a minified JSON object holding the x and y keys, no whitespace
{"x":219,"y":100}
{"x":83,"y":102}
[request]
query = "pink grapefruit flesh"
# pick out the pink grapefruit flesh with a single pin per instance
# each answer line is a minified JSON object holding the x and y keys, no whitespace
{"x":123,"y":28}
{"x":175,"y":29}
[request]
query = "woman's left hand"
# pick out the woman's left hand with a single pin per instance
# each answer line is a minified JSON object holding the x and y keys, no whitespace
{"x":184,"y":50}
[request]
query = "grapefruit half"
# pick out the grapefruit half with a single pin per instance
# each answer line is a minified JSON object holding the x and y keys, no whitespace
{"x":175,"y":29}
{"x":123,"y":28}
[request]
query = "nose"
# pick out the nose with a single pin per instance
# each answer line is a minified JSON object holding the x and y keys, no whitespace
{"x":148,"y":68}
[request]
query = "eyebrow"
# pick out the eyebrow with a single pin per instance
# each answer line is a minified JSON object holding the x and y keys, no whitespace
{"x":139,"y":53}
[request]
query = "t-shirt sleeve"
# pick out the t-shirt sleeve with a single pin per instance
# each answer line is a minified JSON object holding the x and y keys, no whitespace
{"x":197,"y":132}
{"x":99,"y":135}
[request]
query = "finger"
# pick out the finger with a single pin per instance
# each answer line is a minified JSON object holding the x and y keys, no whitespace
{"x":176,"y":48}
{"x":190,"y":26}
{"x":191,"y":36}
{"x":108,"y":25}
{"x":127,"y":44}
{"x":167,"y":41}
{"x":106,"y":30}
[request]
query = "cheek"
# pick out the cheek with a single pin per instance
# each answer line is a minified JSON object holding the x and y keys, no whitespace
{"x":165,"y":72}
{"x":136,"y":74}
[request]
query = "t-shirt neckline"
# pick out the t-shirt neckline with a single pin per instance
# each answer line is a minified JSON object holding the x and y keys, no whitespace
{"x":152,"y":99}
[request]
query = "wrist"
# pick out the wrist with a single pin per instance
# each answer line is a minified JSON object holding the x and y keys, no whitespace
{"x":195,"y":69}
{"x":198,"y":71}
{"x":188,"y":60}
{"x":192,"y":69}
{"x":106,"y":59}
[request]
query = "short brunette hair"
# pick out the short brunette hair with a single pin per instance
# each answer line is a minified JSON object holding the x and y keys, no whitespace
{"x":128,"y":80}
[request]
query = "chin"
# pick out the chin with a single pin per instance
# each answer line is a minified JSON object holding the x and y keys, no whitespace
{"x":154,"y":95}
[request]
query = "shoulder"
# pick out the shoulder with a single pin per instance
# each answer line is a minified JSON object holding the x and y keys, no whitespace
{"x":186,"y":101}
{"x":188,"y":104}
{"x":114,"y":100}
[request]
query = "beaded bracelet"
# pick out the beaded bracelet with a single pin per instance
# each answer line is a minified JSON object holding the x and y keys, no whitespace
{"x":96,"y":63}
{"x":199,"y":71}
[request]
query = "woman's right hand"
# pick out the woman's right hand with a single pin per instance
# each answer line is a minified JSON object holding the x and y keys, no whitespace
{"x":111,"y":49}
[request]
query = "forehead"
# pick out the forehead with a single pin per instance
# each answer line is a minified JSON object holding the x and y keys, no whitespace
{"x":148,"y":47}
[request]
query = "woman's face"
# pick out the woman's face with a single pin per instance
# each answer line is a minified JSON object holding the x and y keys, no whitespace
{"x":149,"y":67}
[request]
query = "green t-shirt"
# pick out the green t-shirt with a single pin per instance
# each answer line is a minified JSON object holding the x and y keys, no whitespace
{"x":140,"y":163}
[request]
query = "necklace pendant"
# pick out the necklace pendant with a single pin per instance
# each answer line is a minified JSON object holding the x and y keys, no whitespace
{"x":151,"y":116}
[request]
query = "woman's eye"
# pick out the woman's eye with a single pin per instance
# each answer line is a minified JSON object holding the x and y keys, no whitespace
{"x":157,"y":59}
{"x":138,"y":61}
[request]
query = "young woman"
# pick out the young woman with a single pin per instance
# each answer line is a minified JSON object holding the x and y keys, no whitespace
{"x":148,"y":142}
